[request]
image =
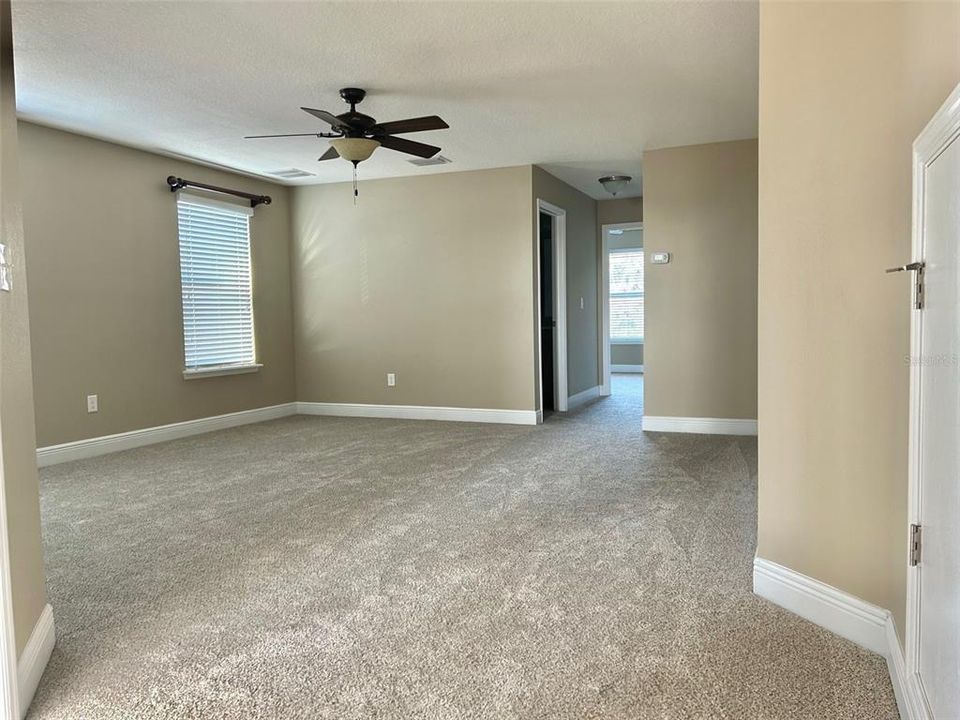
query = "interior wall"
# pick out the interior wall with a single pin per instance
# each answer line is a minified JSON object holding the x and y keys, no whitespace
{"x":583,"y":323}
{"x":20,"y":482}
{"x":428,"y":277}
{"x":844,"y":90}
{"x":700,"y":205}
{"x":619,"y":210}
{"x":101,"y":228}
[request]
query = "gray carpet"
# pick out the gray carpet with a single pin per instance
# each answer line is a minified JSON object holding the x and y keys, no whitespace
{"x":350,"y":568}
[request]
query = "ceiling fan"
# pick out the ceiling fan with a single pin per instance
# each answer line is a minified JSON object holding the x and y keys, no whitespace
{"x":355,"y":136}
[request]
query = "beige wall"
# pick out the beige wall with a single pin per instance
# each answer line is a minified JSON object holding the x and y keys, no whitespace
{"x":583,"y":325}
{"x":700,"y":205}
{"x":619,"y":210}
{"x":845,"y":88}
{"x":19,"y":469}
{"x":101,"y":230}
{"x":430,"y":277}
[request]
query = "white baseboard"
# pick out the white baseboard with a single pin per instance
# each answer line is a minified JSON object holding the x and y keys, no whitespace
{"x":419,"y":412}
{"x":845,"y":615}
{"x":626,"y":368}
{"x":582,"y":397}
{"x":906,"y":689}
{"x":53,"y":454}
{"x":33,"y":660}
{"x":823,"y":604}
{"x":708,"y":426}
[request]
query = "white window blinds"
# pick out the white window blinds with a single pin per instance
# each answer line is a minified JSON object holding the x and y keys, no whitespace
{"x":215,"y":283}
{"x":626,"y":295}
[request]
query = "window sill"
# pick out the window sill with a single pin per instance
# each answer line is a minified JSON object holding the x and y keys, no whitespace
{"x":219,"y":370}
{"x":635,"y":341}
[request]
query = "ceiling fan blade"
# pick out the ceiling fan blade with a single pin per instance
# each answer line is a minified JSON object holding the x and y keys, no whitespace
{"x":254,"y":137}
{"x":430,"y":122}
{"x":327,"y":117}
{"x":330,"y":154}
{"x":407,"y":146}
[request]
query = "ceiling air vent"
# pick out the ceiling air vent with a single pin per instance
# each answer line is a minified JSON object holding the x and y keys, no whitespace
{"x":435,"y":160}
{"x":291,"y":173}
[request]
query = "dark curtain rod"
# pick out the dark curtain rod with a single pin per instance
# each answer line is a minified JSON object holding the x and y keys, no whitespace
{"x":176,"y":183}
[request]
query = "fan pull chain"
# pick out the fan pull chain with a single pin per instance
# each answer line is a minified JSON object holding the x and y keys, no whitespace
{"x":355,"y":192}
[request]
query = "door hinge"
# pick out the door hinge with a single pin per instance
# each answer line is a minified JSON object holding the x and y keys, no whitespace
{"x":917,"y":269}
{"x":915,"y":544}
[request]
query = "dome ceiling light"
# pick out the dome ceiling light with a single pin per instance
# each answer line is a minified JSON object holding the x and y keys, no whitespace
{"x":614,"y":184}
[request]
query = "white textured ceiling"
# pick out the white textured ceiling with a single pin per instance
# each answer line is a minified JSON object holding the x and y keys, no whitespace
{"x":579,"y":88}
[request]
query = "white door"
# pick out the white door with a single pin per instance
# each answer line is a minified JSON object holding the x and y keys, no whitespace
{"x":935,"y":397}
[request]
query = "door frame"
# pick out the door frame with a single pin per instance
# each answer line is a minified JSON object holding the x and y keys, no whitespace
{"x":943,"y":129}
{"x":604,"y":303}
{"x":9,"y":675}
{"x":559,"y":242}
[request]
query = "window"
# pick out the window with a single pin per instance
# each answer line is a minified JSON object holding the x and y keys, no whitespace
{"x":626,"y":296}
{"x":216,"y":286}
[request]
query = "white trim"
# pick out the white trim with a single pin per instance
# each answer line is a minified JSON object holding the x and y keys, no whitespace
{"x":584,"y":396}
{"x":419,"y":412}
{"x":92,"y":447}
{"x":220,"y":370}
{"x":822,"y":604}
{"x":9,"y":694}
{"x":707,"y":426}
{"x":560,"y":302}
{"x":911,"y":701}
{"x":36,"y":655}
{"x":939,"y":133}
{"x":626,"y":369}
{"x":604,"y":290}
{"x":867,"y":625}
{"x":9,"y":697}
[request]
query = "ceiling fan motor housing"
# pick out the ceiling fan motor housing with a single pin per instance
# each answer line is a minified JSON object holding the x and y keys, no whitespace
{"x":353,"y":96}
{"x":354,"y":135}
{"x":360,"y":124}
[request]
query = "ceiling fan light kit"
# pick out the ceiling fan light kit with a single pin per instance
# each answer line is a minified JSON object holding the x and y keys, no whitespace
{"x":355,"y":136}
{"x":614,"y":183}
{"x":356,"y":150}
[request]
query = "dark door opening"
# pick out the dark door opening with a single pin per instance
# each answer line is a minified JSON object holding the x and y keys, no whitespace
{"x":548,"y":323}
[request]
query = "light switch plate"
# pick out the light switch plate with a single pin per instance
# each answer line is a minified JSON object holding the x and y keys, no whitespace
{"x":5,"y":268}
{"x":659,"y":258}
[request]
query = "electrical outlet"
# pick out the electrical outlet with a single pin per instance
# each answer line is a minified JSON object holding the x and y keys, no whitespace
{"x":581,"y":302}
{"x":93,"y":404}
{"x":391,"y":379}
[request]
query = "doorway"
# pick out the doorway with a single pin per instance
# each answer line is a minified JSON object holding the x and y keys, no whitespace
{"x":548,"y":323}
{"x":551,"y":308}
{"x":622,"y":299}
{"x":933,"y":570}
